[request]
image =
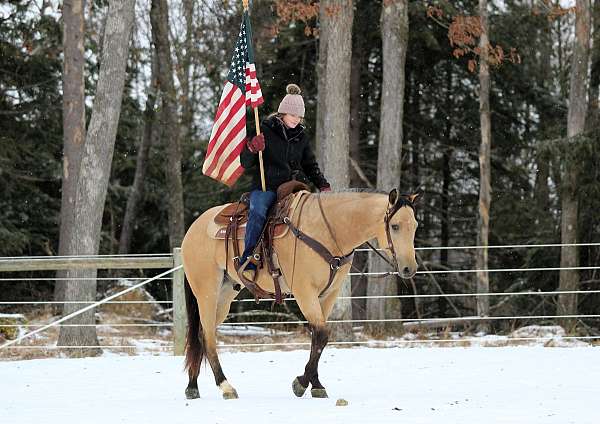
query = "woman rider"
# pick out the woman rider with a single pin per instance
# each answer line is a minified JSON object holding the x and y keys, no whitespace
{"x":287,"y":156}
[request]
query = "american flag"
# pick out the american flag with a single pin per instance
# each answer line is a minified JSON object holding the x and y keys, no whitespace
{"x":222,"y":161}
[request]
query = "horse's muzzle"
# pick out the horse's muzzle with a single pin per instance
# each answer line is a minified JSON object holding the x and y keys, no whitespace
{"x":408,"y":272}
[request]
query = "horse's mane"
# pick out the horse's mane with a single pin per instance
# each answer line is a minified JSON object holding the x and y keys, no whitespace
{"x":356,"y":190}
{"x":361,"y":190}
{"x":403,"y":200}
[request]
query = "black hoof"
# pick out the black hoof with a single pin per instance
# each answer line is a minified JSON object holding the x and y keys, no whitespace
{"x":318,"y":393}
{"x":192,"y":393}
{"x":298,"y":388}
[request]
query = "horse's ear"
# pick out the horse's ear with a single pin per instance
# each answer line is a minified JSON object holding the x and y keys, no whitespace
{"x":393,"y":197}
{"x":415,"y":196}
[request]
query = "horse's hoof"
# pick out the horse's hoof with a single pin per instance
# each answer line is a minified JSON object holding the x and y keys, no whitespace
{"x":192,"y":393}
{"x":298,"y":388}
{"x":318,"y":393}
{"x":230,"y":395}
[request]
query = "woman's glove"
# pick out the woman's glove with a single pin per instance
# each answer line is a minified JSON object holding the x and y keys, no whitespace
{"x":257,"y":144}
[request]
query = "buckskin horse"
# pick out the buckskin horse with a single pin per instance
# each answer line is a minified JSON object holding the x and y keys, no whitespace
{"x":339,"y":222}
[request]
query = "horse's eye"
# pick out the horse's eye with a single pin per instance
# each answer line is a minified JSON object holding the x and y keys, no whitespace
{"x":395,"y":227}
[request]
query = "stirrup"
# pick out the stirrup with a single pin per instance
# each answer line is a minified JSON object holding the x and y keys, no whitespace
{"x":242,"y":268}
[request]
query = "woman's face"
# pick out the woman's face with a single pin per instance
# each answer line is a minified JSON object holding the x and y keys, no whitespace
{"x":291,"y":121}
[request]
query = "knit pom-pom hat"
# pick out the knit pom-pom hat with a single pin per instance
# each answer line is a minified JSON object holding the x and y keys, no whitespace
{"x":292,"y":103}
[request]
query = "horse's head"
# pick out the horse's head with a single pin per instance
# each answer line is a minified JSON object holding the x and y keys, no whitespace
{"x":397,"y":236}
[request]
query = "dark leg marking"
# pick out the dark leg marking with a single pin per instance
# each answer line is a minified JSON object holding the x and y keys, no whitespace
{"x":319,"y":339}
{"x":191,"y":391}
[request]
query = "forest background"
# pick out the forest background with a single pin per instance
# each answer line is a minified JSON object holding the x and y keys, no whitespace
{"x":417,"y":66}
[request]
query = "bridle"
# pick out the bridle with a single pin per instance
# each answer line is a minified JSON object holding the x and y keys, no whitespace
{"x":400,"y":202}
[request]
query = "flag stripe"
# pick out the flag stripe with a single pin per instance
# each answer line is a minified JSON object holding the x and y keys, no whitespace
{"x":228,"y":134}
{"x":234,"y":139}
{"x":228,"y":91}
{"x":234,"y":136}
{"x":253,"y":92}
{"x":231,"y":158}
{"x":228,"y":104}
{"x":222,"y":129}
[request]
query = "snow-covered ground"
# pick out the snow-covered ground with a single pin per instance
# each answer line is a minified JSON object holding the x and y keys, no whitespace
{"x":480,"y":385}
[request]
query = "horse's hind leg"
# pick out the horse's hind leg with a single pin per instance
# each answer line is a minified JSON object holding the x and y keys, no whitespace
{"x":224,"y":294}
{"x":311,"y":308}
{"x":202,"y":316}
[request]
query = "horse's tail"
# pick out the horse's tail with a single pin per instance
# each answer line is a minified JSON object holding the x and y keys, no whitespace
{"x":194,"y":342}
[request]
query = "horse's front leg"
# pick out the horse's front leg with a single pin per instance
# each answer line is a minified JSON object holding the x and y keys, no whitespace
{"x":311,"y":308}
{"x":319,"y":338}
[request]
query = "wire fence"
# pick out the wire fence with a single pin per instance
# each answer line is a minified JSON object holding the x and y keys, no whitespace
{"x":169,"y":325}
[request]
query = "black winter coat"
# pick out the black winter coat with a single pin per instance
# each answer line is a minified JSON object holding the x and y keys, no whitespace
{"x":287,"y":156}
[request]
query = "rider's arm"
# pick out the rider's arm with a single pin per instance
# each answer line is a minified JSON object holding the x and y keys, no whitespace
{"x":247,"y":158}
{"x":311,"y":168}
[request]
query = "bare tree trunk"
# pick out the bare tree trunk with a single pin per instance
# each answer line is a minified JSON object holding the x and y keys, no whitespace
{"x":359,"y":283}
{"x":336,"y":22}
{"x":394,"y":28}
{"x":541,"y":191}
{"x":159,"y":16}
{"x":137,"y":188}
{"x":358,"y":54}
{"x":446,"y":179}
{"x":594,"y":107}
{"x":94,"y":172}
{"x":187,"y":105}
{"x":569,"y":279}
{"x":73,"y":121}
{"x":321,"y":86}
{"x":483,"y":281}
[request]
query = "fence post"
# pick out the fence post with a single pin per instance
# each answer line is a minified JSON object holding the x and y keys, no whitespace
{"x":179,"y":312}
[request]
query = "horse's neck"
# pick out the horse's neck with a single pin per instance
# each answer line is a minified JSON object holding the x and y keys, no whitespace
{"x":352,"y":217}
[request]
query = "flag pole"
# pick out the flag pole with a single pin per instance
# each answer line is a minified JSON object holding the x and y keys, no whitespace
{"x":257,"y":122}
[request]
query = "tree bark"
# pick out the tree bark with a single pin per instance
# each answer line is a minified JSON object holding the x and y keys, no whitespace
{"x":483,"y":282}
{"x":137,"y":188}
{"x":73,"y":122}
{"x":541,"y":191}
{"x":394,"y":28}
{"x":446,"y":180}
{"x":321,"y":85}
{"x":359,"y":283}
{"x":159,"y":16}
{"x":336,"y":18}
{"x":358,"y":56}
{"x":94,"y":172}
{"x":594,"y":107}
{"x":569,"y":279}
{"x":187,"y":108}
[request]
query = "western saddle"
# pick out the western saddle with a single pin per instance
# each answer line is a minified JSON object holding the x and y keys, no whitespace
{"x":233,"y":216}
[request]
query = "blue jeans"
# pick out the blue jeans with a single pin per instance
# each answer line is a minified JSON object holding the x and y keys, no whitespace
{"x":260,"y":202}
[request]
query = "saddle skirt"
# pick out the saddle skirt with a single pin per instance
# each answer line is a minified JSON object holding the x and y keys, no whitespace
{"x":285,"y":207}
